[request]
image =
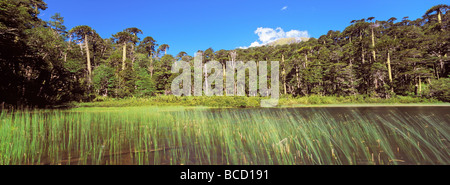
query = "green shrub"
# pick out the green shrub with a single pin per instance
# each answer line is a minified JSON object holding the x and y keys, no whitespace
{"x":440,"y":89}
{"x":243,"y":101}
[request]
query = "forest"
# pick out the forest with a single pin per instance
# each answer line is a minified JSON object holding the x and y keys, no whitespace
{"x":44,"y":63}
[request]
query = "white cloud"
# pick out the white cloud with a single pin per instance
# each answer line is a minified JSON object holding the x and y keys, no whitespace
{"x":268,"y":35}
{"x":284,"y":8}
{"x":255,"y":44}
{"x":296,"y":33}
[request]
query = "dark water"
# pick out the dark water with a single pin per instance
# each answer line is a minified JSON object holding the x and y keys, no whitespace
{"x":427,"y":124}
{"x":404,"y":113}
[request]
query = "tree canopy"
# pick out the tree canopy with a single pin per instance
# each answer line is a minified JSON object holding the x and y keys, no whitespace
{"x":41,"y":63}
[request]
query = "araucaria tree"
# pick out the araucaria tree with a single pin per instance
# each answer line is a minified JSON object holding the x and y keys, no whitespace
{"x":124,"y":38}
{"x":81,"y":34}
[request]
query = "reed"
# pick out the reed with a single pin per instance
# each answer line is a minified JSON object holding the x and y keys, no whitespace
{"x":182,"y":136}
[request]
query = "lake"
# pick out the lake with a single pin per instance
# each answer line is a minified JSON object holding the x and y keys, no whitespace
{"x":199,"y":135}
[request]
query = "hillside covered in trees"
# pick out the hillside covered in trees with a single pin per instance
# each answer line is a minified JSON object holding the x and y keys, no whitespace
{"x":45,"y":63}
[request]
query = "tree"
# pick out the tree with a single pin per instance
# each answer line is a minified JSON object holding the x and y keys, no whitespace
{"x":144,"y":83}
{"x":372,"y":27}
{"x":441,"y":89}
{"x":104,"y":80}
{"x":32,"y":70}
{"x":281,"y":52}
{"x":163,"y":47}
{"x":163,"y":75}
{"x":134,"y":31}
{"x":81,"y":34}
{"x":222,"y":57}
{"x":57,"y":24}
{"x":180,"y":55}
{"x":209,"y":54}
{"x":123,"y":38}
{"x":438,"y":10}
{"x":148,"y":46}
{"x":436,"y":32}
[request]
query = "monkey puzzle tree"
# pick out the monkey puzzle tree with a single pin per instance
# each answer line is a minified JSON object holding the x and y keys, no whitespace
{"x":123,"y":38}
{"x":209,"y":54}
{"x":222,"y":57}
{"x":82,"y":33}
{"x":373,"y":26}
{"x":280,"y":52}
{"x":180,"y":55}
{"x":436,"y":33}
{"x":134,"y":31}
{"x":163,"y":47}
{"x":438,"y":10}
{"x":148,"y":46}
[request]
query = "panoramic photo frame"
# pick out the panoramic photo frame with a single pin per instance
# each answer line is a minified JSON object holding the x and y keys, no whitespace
{"x":224,"y":91}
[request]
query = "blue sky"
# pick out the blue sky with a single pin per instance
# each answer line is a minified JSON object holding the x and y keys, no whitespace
{"x":190,"y":25}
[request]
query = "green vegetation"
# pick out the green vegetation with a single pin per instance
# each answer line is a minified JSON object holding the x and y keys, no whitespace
{"x":441,"y":89}
{"x":42,"y":63}
{"x":176,"y":135}
{"x":241,"y":101}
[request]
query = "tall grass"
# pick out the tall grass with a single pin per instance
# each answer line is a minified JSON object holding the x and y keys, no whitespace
{"x":177,"y":135}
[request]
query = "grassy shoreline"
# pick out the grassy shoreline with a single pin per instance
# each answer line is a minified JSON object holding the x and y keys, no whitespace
{"x":248,"y":102}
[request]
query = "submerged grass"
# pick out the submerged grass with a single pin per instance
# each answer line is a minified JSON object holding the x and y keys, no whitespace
{"x":178,"y":136}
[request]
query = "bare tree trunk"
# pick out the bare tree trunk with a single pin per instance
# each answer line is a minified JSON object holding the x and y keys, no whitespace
{"x":306,"y":60}
{"x":284,"y":74}
{"x":234,"y":80}
{"x":439,"y":18}
{"x":389,"y":67}
{"x":233,"y":55}
{"x":206,"y":79}
{"x":224,"y":73}
{"x":362,"y":55}
{"x":375,"y":81}
{"x":298,"y":78}
{"x":151,"y":65}
{"x":124,"y":55}
{"x":88,"y":56}
{"x":362,"y":49}
{"x":436,"y":71}
{"x":351,"y":77}
{"x":373,"y":45}
{"x":81,"y":47}
{"x":133,"y":57}
{"x":68,"y":48}
{"x":420,"y":85}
